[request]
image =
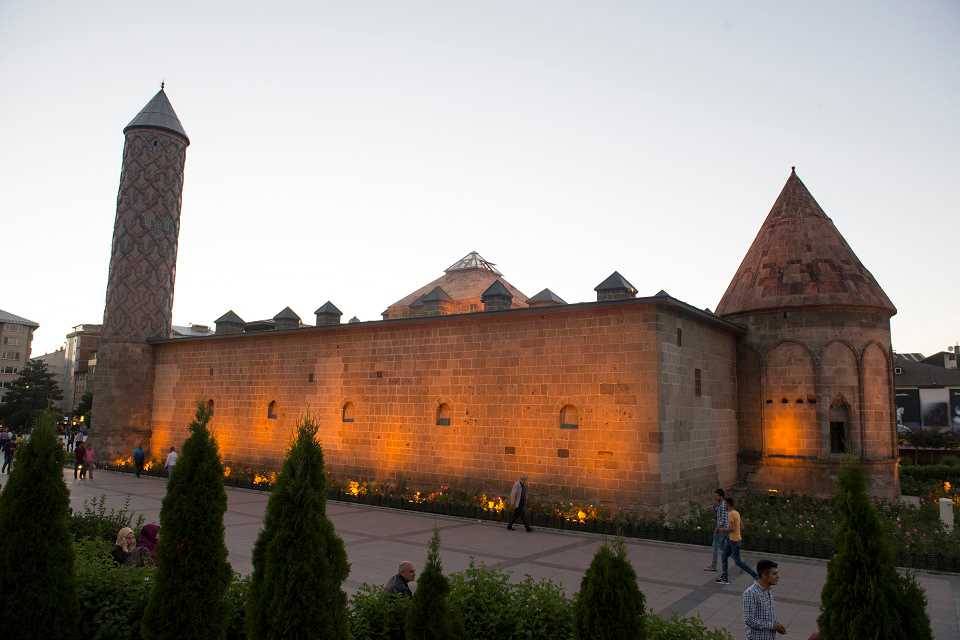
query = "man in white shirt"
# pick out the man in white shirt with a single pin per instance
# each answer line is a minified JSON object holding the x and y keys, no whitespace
{"x":171,"y":461}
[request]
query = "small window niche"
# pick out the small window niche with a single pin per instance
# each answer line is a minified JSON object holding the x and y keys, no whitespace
{"x":347,"y":414}
{"x":210,"y":407}
{"x":272,"y":410}
{"x":697,"y":383}
{"x":569,"y":417}
{"x":443,"y":415}
{"x":679,"y":337}
{"x":839,"y":419}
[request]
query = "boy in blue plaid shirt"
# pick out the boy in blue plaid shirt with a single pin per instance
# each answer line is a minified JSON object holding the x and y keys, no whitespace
{"x":759,"y":611}
{"x":720,"y":526}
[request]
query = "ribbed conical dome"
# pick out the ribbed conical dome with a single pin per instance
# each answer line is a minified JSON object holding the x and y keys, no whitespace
{"x":799,"y":259}
{"x":158,"y":114}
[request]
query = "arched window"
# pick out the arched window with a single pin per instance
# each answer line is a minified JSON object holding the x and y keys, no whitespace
{"x":839,"y":420}
{"x":210,"y":407}
{"x":443,"y":415}
{"x":272,"y":410}
{"x":347,"y":414}
{"x":569,"y":417}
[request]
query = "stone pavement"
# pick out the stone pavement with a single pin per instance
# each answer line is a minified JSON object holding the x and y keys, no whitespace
{"x":670,"y":575}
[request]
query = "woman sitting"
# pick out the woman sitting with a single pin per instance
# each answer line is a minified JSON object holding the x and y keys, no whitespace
{"x":125,"y":552}
{"x":147,"y":544}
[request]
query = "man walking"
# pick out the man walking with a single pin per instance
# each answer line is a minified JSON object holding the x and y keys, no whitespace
{"x":171,"y":462}
{"x":759,"y":612}
{"x":734,"y":539}
{"x":720,"y":524}
{"x":9,"y":450}
{"x":138,"y":459}
{"x":518,"y":498}
{"x":400,"y":583}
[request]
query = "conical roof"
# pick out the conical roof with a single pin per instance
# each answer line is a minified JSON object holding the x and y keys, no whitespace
{"x":158,"y":114}
{"x":799,"y":259}
{"x":496,"y":290}
{"x":329,"y":307}
{"x":546,"y":297}
{"x":287,"y":314}
{"x":230,"y":318}
{"x":614,"y":282}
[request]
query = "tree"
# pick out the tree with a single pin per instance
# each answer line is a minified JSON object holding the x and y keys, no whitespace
{"x":865,"y":596}
{"x":609,"y":605}
{"x":299,"y":562}
{"x":36,"y":549}
{"x":188,"y":597}
{"x":430,"y":616}
{"x":84,"y":407}
{"x":33,"y":392}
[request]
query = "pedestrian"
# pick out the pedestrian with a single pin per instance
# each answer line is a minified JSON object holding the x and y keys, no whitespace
{"x":171,"y":461}
{"x":89,"y":458}
{"x":125,"y":550}
{"x":759,"y":611}
{"x":400,"y":583}
{"x":734,"y":540}
{"x":79,"y":461}
{"x":147,"y":543}
{"x":720,"y":524}
{"x":9,"y":449}
{"x":138,"y":458}
{"x":71,"y":437}
{"x":518,"y":498}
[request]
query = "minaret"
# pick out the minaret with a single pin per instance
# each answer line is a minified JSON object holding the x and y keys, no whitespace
{"x":143,"y":264}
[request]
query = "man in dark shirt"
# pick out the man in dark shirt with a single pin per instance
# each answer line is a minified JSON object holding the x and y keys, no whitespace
{"x":400,"y":582}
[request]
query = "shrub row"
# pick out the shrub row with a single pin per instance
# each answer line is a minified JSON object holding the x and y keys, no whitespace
{"x":113,"y":599}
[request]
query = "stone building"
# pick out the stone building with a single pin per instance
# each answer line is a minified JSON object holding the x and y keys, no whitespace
{"x":638,"y":402}
{"x":16,"y":338}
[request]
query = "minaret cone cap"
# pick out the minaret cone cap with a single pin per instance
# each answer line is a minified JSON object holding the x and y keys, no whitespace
{"x":799,"y":259}
{"x":158,"y":114}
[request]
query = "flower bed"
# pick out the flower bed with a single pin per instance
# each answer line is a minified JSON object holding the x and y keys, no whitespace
{"x":791,"y":525}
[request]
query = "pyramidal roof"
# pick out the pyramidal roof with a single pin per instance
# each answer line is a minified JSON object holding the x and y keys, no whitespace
{"x":230,"y":318}
{"x":615,"y":281}
{"x":497,"y":289}
{"x":287,"y":314}
{"x":472,"y":260}
{"x":799,"y":259}
{"x":158,"y":114}
{"x":546,"y":296}
{"x":437,"y":294}
{"x":329,"y":307}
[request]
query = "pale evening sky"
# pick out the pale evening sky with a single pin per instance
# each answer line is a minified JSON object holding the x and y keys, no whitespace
{"x":352,"y":151}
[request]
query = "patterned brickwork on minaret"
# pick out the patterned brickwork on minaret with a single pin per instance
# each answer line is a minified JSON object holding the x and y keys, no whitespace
{"x":140,"y":284}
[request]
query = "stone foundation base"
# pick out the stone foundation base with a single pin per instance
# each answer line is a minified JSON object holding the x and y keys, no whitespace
{"x":817,"y":477}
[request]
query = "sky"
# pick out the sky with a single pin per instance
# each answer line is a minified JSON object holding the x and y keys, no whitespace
{"x":352,"y":151}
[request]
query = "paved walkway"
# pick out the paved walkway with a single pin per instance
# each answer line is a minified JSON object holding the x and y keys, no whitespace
{"x":671,"y":575}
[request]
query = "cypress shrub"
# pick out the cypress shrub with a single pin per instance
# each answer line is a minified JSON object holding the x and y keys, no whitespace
{"x":299,"y":562}
{"x":188,"y":597}
{"x":430,"y":617}
{"x":863,"y":592}
{"x":36,"y":549}
{"x":610,"y":604}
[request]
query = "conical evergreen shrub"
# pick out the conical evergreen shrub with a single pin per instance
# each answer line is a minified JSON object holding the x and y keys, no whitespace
{"x":39,"y":595}
{"x":299,"y":562}
{"x":431,"y":617}
{"x":188,"y":597}
{"x":609,"y":605}
{"x":861,"y":598}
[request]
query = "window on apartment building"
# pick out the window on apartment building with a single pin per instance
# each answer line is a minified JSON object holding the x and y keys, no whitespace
{"x":443,"y":415}
{"x":272,"y":410}
{"x":569,"y":417}
{"x":697,"y":383}
{"x":347,"y":414}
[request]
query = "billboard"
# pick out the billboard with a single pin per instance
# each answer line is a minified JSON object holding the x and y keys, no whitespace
{"x":955,"y":409}
{"x":934,"y":407}
{"x":908,"y":407}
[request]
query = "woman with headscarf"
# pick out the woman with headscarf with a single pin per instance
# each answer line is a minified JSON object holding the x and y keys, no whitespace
{"x":125,"y":550}
{"x":89,"y":458}
{"x":147,"y":544}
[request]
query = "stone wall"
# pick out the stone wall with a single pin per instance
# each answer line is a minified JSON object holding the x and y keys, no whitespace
{"x":699,"y":431}
{"x":504,"y":377}
{"x":813,"y":366}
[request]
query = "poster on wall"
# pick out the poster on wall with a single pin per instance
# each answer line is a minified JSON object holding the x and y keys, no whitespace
{"x":934,"y":407}
{"x":955,"y":409}
{"x":908,"y":407}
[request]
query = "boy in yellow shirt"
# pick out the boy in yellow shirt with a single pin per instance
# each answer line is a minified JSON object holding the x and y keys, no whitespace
{"x":734,"y":539}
